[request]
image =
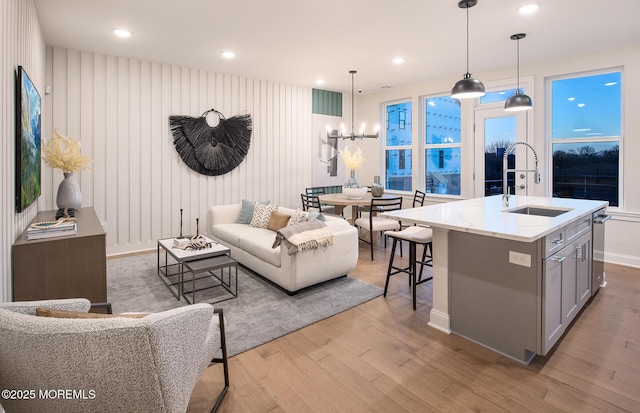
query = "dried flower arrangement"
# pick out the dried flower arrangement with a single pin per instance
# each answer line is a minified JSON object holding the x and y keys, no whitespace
{"x":62,"y":152}
{"x":354,"y":160}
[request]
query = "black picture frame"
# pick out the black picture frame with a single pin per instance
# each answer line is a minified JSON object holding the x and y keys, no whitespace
{"x":28,"y":146}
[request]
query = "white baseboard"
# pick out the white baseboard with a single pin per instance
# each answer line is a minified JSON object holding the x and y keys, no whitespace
{"x":622,"y":259}
{"x":440,"y":321}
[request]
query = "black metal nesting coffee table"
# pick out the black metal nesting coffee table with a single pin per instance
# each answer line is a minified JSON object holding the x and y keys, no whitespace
{"x":201,"y":265}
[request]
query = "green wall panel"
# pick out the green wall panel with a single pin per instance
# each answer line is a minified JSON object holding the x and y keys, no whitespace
{"x":327,"y":103}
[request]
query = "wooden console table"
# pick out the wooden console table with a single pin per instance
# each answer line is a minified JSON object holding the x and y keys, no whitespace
{"x":72,"y":266}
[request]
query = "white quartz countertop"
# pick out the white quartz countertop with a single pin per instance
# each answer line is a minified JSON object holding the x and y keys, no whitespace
{"x":487,"y":216}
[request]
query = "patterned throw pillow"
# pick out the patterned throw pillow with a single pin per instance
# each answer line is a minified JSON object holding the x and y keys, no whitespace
{"x":262,"y":215}
{"x":297,"y":217}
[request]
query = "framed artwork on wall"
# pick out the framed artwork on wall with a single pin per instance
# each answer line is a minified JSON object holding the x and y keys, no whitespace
{"x":28,"y":106}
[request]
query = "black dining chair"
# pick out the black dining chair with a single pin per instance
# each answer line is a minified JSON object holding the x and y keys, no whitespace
{"x":375,"y":223}
{"x":310,"y":202}
{"x":414,"y":235}
{"x":418,"y":201}
{"x":317,"y":191}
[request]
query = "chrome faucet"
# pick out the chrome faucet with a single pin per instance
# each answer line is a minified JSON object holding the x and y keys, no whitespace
{"x":505,"y":187}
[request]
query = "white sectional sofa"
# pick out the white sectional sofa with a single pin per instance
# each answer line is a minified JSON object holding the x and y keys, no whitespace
{"x":252,"y":247}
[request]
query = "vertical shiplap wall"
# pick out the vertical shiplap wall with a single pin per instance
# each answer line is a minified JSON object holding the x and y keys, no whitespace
{"x":119,"y":108}
{"x":22,"y":44}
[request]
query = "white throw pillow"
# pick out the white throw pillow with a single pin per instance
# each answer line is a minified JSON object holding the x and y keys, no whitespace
{"x":261,"y":215}
{"x":297,"y":217}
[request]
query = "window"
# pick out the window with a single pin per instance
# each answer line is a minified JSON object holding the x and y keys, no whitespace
{"x":442,"y":145}
{"x":586,"y":132}
{"x":499,"y":96}
{"x":398,"y":141}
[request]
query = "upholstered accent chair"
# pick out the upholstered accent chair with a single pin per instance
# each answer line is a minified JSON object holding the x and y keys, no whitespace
{"x":148,"y":364}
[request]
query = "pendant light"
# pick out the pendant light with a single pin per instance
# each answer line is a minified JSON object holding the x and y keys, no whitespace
{"x":519,"y":101}
{"x":468,"y":87}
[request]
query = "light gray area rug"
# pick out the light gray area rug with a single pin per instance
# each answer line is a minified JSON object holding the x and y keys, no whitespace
{"x":259,"y":314}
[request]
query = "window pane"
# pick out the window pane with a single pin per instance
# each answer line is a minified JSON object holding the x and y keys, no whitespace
{"x":499,"y":96}
{"x":499,"y":133}
{"x":398,"y":169}
{"x":443,"y":171}
{"x":586,"y":171}
{"x":442,"y":120}
{"x":586,"y":107}
{"x":398,"y":124}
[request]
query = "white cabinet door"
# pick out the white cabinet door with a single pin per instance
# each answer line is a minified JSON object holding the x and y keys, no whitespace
{"x":552,"y":322}
{"x":583,"y":268}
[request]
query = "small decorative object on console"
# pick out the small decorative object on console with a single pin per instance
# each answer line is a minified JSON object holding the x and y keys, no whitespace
{"x":65,"y":213}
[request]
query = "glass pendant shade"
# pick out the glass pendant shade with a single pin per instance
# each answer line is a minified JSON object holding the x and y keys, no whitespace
{"x":518,"y":102}
{"x":467,"y":88}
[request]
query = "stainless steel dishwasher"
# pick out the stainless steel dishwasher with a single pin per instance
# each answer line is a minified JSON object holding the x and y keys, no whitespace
{"x":598,"y":277}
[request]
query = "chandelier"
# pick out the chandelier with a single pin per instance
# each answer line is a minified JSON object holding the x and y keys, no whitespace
{"x":339,"y":134}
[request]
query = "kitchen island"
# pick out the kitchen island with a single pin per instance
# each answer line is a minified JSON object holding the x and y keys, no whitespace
{"x":510,"y":278}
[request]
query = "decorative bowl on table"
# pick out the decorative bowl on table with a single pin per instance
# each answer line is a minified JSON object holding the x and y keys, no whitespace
{"x":355,"y":193}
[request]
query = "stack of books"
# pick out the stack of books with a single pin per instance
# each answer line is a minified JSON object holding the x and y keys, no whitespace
{"x":51,"y":229}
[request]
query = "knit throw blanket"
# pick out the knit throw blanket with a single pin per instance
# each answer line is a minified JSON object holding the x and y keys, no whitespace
{"x":304,"y":236}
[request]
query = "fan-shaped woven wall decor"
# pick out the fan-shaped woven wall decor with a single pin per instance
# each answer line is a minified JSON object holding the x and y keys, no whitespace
{"x":211,"y":150}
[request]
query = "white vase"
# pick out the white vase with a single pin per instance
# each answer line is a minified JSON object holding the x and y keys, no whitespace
{"x":69,"y":195}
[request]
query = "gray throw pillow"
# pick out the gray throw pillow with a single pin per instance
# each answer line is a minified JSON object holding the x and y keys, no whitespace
{"x":316,"y":215}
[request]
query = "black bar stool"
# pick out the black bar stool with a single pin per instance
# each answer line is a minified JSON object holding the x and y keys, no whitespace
{"x":414,"y":235}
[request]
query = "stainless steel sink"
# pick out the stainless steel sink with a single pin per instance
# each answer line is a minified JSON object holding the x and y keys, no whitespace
{"x":533,"y":210}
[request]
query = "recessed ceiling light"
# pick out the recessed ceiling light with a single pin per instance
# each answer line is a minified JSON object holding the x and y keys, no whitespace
{"x":228,"y":55}
{"x":571,"y":99}
{"x":398,"y":60}
{"x":611,"y":83}
{"x":528,"y":8}
{"x":320,"y":82}
{"x":580,"y":105}
{"x":122,"y":33}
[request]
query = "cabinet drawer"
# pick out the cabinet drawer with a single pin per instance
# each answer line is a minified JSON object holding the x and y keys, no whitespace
{"x":554,"y":242}
{"x":578,"y":228}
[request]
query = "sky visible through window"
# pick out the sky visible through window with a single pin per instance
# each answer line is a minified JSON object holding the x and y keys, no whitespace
{"x":586,"y":107}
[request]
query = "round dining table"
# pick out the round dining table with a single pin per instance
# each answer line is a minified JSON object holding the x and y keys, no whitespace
{"x":341,"y":200}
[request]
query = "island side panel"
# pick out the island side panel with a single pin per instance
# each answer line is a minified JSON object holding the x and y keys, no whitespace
{"x":439,"y":316}
{"x":494,"y":302}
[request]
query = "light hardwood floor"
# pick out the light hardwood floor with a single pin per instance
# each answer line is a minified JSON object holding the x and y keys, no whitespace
{"x":382,"y":357}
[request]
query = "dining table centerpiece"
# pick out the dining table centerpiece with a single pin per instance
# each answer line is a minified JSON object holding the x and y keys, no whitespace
{"x":64,"y":153}
{"x":353,"y":161}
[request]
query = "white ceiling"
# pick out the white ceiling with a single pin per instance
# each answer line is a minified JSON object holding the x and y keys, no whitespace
{"x":299,"y":41}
